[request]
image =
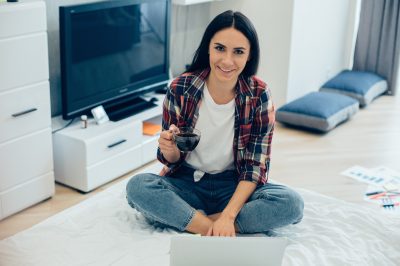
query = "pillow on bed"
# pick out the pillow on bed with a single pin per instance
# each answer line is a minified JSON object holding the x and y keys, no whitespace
{"x":363,"y":86}
{"x":321,"y":111}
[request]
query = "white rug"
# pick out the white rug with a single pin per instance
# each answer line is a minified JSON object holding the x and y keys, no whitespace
{"x":105,"y":230}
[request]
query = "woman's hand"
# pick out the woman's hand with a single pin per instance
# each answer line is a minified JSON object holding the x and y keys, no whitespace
{"x":223,"y":226}
{"x":167,"y":145}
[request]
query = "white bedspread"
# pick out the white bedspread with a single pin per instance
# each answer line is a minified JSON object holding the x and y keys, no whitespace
{"x":104,"y":230}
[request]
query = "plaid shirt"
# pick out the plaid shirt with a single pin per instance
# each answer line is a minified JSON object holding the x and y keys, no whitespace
{"x":254,"y":122}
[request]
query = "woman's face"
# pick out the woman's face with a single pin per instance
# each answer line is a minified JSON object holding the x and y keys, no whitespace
{"x":229,"y":52}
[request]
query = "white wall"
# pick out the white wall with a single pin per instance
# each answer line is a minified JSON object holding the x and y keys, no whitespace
{"x":319,"y":47}
{"x":354,"y":20}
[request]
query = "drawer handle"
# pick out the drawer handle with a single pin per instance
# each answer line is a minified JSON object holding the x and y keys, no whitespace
{"x":116,"y":143}
{"x":24,"y":112}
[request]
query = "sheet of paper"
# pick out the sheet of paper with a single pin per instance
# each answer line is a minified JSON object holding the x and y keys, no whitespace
{"x":389,"y":174}
{"x":366,"y":175}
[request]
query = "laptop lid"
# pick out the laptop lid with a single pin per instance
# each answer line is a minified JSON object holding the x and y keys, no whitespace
{"x":187,"y":250}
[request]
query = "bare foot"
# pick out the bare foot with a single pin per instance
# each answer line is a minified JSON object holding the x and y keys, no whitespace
{"x":199,"y":224}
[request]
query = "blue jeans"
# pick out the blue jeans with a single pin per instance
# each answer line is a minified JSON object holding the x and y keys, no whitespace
{"x":171,"y":201}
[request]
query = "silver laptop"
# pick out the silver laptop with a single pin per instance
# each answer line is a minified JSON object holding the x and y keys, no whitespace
{"x":188,"y":250}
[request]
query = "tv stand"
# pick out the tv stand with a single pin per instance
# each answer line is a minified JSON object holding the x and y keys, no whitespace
{"x":121,"y":110}
{"x":86,"y":158}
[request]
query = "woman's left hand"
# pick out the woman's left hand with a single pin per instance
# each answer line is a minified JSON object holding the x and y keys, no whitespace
{"x":223,"y":226}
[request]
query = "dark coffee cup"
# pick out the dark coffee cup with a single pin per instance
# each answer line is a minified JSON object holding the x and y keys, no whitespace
{"x":187,"y":138}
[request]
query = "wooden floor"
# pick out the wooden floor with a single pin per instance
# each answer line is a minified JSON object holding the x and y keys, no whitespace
{"x":299,"y":158}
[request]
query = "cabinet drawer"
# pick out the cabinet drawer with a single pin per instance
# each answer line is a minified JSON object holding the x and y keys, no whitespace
{"x":113,"y":142}
{"x":24,"y":110}
{"x":101,"y":173}
{"x":24,"y":60}
{"x":27,"y":194}
{"x":22,"y":18}
{"x":24,"y":158}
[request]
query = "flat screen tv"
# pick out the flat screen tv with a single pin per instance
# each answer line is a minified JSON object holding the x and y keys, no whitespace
{"x":112,"y":52}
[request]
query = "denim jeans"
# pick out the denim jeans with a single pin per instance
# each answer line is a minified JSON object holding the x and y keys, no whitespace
{"x":171,"y":201}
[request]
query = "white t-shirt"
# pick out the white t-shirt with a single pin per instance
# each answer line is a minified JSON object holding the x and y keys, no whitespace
{"x":214,"y":153}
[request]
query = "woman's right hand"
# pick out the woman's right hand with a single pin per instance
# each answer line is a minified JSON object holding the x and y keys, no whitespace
{"x":167,"y":144}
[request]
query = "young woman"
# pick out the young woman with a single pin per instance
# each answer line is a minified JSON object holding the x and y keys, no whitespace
{"x":221,"y":187}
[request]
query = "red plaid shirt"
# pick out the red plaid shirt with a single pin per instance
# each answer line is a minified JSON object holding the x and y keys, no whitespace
{"x":254,"y":121}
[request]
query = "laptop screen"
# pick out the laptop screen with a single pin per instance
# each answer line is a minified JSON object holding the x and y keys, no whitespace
{"x":190,"y":250}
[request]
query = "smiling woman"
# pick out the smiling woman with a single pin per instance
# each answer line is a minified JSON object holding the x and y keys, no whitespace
{"x":220,"y":187}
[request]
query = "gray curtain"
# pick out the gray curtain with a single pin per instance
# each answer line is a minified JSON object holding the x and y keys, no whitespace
{"x":378,"y":40}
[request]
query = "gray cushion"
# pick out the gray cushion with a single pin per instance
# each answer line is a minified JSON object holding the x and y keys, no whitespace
{"x":321,"y":111}
{"x":363,"y":86}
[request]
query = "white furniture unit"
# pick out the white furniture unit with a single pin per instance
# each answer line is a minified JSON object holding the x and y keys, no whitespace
{"x":85,"y":158}
{"x":26,"y":161}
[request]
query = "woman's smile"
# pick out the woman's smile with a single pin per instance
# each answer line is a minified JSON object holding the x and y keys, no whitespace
{"x":225,"y":70}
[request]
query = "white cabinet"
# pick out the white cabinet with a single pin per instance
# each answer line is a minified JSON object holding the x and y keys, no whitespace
{"x":85,"y":158}
{"x":26,"y":160}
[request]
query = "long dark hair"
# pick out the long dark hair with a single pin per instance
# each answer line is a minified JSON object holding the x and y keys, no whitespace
{"x":225,"y":20}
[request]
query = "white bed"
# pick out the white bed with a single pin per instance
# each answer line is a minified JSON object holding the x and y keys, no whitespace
{"x":104,"y":230}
